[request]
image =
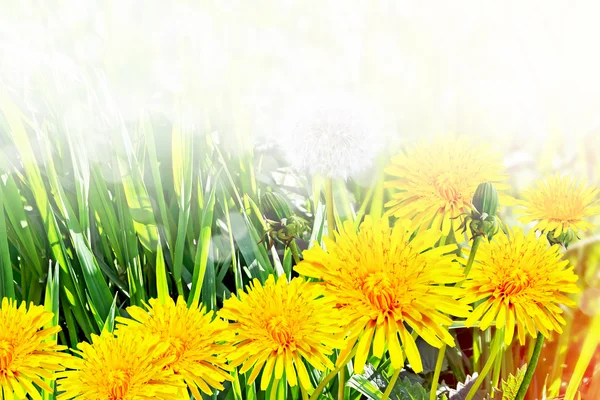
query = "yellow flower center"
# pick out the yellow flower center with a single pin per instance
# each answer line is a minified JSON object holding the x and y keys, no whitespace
{"x":177,"y":348}
{"x":380,"y":291}
{"x":564,"y":207}
{"x":514,"y":282}
{"x":6,"y":356}
{"x":281,"y":330}
{"x":447,"y":186}
{"x":118,"y":384}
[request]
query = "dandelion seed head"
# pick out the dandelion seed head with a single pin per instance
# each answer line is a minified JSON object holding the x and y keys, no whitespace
{"x":336,"y":135}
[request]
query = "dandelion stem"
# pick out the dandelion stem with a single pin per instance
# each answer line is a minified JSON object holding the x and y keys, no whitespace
{"x":295,"y":253}
{"x":329,"y":207}
{"x":438,"y":371}
{"x":539,"y":343}
{"x":391,"y":384}
{"x":331,"y":375}
{"x":476,"y":334}
{"x":474,"y":247}
{"x":304,"y":394}
{"x":488,"y":365}
{"x":442,"y":351}
{"x":341,"y":383}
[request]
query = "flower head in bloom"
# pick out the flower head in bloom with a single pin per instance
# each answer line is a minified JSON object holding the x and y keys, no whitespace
{"x":197,"y":342}
{"x":127,"y":367}
{"x":385,"y":282}
{"x":559,"y":204}
{"x":519,"y":279}
{"x":336,"y":135}
{"x":436,"y":181}
{"x":26,"y":353}
{"x":279,"y":326}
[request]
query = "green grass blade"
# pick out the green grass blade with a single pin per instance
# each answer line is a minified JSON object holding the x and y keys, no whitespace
{"x":182,"y":156}
{"x":18,"y":220}
{"x":162,"y":286}
{"x":202,"y":252}
{"x":109,"y":324}
{"x":7,"y":287}
{"x":51,"y":304}
{"x":72,"y":293}
{"x":138,"y":200}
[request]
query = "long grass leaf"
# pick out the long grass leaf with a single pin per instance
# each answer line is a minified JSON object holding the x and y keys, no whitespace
{"x":7,"y":287}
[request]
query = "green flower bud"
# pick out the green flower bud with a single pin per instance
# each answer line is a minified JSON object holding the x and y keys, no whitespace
{"x":563,"y":239}
{"x":485,"y":200}
{"x":274,"y":206}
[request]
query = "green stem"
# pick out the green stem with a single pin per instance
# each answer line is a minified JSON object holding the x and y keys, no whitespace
{"x":442,"y":351}
{"x":363,"y":208}
{"x":331,"y":375}
{"x":391,"y":384}
{"x":488,"y":365}
{"x":476,"y":334}
{"x":539,"y":343}
{"x":304,"y":394}
{"x":330,"y":208}
{"x":295,"y":253}
{"x":476,"y":350}
{"x":341,"y":383}
{"x":497,"y":369}
{"x":476,"y":242}
{"x":437,"y":373}
{"x":485,"y":352}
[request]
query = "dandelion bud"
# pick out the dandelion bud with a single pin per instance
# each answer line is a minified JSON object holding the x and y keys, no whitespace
{"x":485,"y":206}
{"x":564,"y":239}
{"x":485,"y":200}
{"x":274,"y":206}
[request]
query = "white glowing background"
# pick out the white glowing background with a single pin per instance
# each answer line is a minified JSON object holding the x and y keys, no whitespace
{"x":502,"y":70}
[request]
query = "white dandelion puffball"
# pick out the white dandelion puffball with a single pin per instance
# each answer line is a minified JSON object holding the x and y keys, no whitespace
{"x":335,"y":135}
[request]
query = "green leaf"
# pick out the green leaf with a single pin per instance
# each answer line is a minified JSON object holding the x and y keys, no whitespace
{"x":17,"y":218}
{"x":511,"y":385}
{"x":406,"y":390}
{"x":51,"y":304}
{"x":368,"y":383}
{"x":7,"y":287}
{"x":182,"y":156}
{"x":203,"y":249}
{"x":162,"y":286}
{"x":109,"y":324}
{"x":72,"y":292}
{"x":138,"y":200}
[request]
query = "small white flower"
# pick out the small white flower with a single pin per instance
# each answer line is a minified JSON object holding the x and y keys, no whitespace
{"x":333,"y":134}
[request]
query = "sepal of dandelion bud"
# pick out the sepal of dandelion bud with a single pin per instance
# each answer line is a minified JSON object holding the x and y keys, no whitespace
{"x":482,"y":220}
{"x":564,"y":238}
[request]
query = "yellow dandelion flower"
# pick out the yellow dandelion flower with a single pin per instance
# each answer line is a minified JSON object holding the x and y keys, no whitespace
{"x":197,"y":342}
{"x":519,"y":280}
{"x":127,"y":367}
{"x":26,"y":354}
{"x":385,"y":282}
{"x":559,"y":204}
{"x":436,"y":181}
{"x":281,"y":324}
